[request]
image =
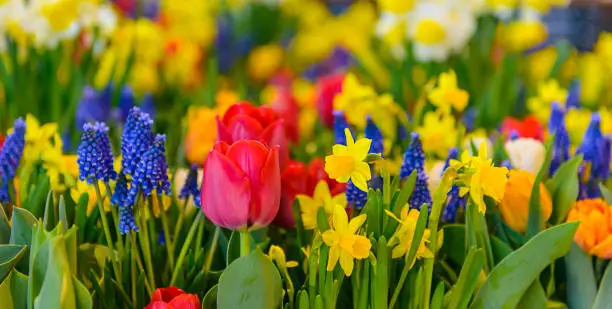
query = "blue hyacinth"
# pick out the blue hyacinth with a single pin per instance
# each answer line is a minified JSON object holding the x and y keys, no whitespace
{"x":414,"y":161}
{"x":595,"y":149}
{"x":136,"y":139}
{"x":95,"y":156}
{"x":354,"y":196}
{"x":127,"y":223}
{"x":191,"y":188}
{"x":152,"y":172}
{"x":373,"y":133}
{"x":339,"y":125}
{"x":453,"y":200}
{"x":10,"y":155}
{"x":561,"y":144}
{"x":93,"y":106}
{"x":121,"y":191}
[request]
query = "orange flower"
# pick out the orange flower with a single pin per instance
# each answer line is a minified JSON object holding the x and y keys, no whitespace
{"x":594,"y":233}
{"x":515,"y":205}
{"x":201,"y":133}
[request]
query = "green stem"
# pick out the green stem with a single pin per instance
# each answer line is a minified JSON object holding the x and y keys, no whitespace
{"x":400,"y":284}
{"x":185,"y":248}
{"x":133,"y":265}
{"x":211,"y":251}
{"x":245,"y":243}
{"x":107,"y":234}
{"x":166,"y":227}
{"x":143,"y":236}
{"x":180,"y":219}
{"x":120,"y":246}
{"x":434,"y":220}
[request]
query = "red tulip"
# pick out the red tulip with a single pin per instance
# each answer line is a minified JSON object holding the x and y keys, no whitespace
{"x":173,"y":298}
{"x":529,"y":127}
{"x":327,"y":89}
{"x":298,"y":178}
{"x":286,"y":106}
{"x":243,"y":121}
{"x":241,"y":184}
{"x":2,"y":138}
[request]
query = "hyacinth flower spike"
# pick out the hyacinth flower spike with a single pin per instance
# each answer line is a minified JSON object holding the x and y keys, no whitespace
{"x":10,"y":155}
{"x":136,"y":139}
{"x":561,"y":144}
{"x":340,"y":124}
{"x":595,"y":148}
{"x":454,"y":201}
{"x":414,"y":161}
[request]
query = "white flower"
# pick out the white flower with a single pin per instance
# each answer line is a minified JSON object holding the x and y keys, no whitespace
{"x":526,"y":154}
{"x":434,"y":175}
{"x":11,"y":11}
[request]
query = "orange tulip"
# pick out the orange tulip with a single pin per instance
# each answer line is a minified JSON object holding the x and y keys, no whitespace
{"x":515,"y":205}
{"x":594,"y":233}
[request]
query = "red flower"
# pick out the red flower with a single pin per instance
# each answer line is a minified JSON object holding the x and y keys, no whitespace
{"x":327,"y":89}
{"x":243,"y":121}
{"x":2,"y":138}
{"x":173,"y":298}
{"x":529,"y":127}
{"x":298,"y":178}
{"x":286,"y":106}
{"x":241,"y":185}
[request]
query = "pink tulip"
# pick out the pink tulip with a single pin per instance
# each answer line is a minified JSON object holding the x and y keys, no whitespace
{"x":241,"y":186}
{"x":173,"y":298}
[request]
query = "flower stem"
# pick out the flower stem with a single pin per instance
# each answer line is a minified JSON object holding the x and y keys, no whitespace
{"x":245,"y":243}
{"x":145,"y":245}
{"x":181,"y":218}
{"x":211,"y":251}
{"x":107,"y":234}
{"x":185,"y":248}
{"x":166,"y":227}
{"x":133,"y":254}
{"x":120,"y":246}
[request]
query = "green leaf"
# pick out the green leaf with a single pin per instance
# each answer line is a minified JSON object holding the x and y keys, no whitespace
{"x":604,"y":297}
{"x":81,"y":295}
{"x":14,"y":291}
{"x":9,"y":256}
{"x":374,"y":210}
{"x":563,"y":187}
{"x":509,"y":280}
{"x":57,"y":280}
{"x":437,"y":299}
{"x":419,"y":231}
{"x":581,"y":283}
{"x":607,"y":194}
{"x":454,"y":242}
{"x":5,"y":227}
{"x":322,"y":221}
{"x":534,"y":297}
{"x":21,"y":231}
{"x":478,"y":234}
{"x":303,"y":302}
{"x":210,"y":299}
{"x":535,"y":222}
{"x":462,"y":291}
{"x":62,"y":212}
{"x":233,"y":246}
{"x":500,"y":249}
{"x":251,"y":281}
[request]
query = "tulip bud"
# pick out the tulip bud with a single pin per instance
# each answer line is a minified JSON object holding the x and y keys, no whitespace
{"x":526,"y":154}
{"x":241,"y":185}
{"x":515,"y":205}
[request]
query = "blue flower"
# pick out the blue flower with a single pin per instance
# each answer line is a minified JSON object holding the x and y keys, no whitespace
{"x":121,"y":191}
{"x":10,"y":155}
{"x":191,"y":188}
{"x":414,"y":161}
{"x":136,"y":139}
{"x":453,"y":200}
{"x":95,"y":156}
{"x":573,"y":98}
{"x":561,"y":144}
{"x":127,"y":222}
{"x":595,"y":149}
{"x":152,"y":172}
{"x":93,"y":106}
{"x":372,"y":132}
{"x":339,"y":125}
{"x":354,"y":196}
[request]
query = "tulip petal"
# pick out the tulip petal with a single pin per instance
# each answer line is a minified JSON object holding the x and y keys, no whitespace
{"x":266,"y":192}
{"x":186,"y":301}
{"x":166,"y":294}
{"x":159,"y":305}
{"x":249,"y":156}
{"x":226,"y":192}
{"x":223,"y":132}
{"x":274,"y":135}
{"x":244,"y":127}
{"x":237,"y":109}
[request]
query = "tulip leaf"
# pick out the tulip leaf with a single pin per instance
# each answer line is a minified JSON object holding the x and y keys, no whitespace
{"x":233,"y":247}
{"x":535,"y":222}
{"x":57,"y":279}
{"x":14,"y":290}
{"x":500,"y":249}
{"x":9,"y":256}
{"x":607,"y":194}
{"x":437,"y":300}
{"x":454,"y":242}
{"x":210,"y":299}
{"x":604,"y":297}
{"x":62,"y":212}
{"x":21,"y":231}
{"x":563,"y":188}
{"x":81,"y":295}
{"x":251,"y":281}
{"x":462,"y":291}
{"x":581,"y":283}
{"x":5,"y":227}
{"x":534,"y":297}
{"x":509,"y":280}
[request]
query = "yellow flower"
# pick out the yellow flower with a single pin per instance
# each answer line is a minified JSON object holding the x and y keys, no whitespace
{"x":201,"y":133}
{"x":356,"y":100}
{"x":347,"y":162}
{"x":543,"y":6}
{"x":515,"y":205}
{"x":277,"y":255}
{"x":264,"y":61}
{"x":603,"y":49}
{"x":548,"y":93}
{"x":576,"y":121}
{"x":322,"y":197}
{"x":60,"y":14}
{"x":182,"y":63}
{"x":592,"y":78}
{"x":438,"y":133}
{"x":396,"y":6}
{"x":62,"y":170}
{"x":448,"y":94}
{"x":38,"y":139}
{"x":83,"y":187}
{"x":521,"y":35}
{"x":480,"y":177}
{"x":540,"y":63}
{"x":402,"y":238}
{"x":344,"y":244}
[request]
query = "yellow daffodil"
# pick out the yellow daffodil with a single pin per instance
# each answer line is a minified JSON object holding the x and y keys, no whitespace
{"x":62,"y":170}
{"x":37,"y":138}
{"x":356,"y":100}
{"x":540,"y":63}
{"x":344,"y":242}
{"x":591,"y":73}
{"x":521,"y":35}
{"x":447,"y":94}
{"x":603,"y":49}
{"x":264,"y":61}
{"x":347,"y":162}
{"x":479,"y":177}
{"x":548,"y":93}
{"x":438,"y":133}
{"x":576,"y":121}
{"x":277,"y":254}
{"x":402,"y":238}
{"x":83,"y":187}
{"x":322,"y":197}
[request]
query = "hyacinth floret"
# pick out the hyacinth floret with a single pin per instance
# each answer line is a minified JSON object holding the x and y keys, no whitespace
{"x":95,"y":156}
{"x":354,"y":196}
{"x":595,"y":149}
{"x":372,"y":132}
{"x":127,"y":223}
{"x":561,"y":144}
{"x":414,"y":161}
{"x":10,"y":155}
{"x":121,"y":191}
{"x":340,"y":124}
{"x":454,"y":201}
{"x":136,"y":139}
{"x":151,"y":173}
{"x":190,"y":188}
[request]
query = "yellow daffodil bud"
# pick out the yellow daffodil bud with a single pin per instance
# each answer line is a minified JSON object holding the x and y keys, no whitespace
{"x":515,"y":205}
